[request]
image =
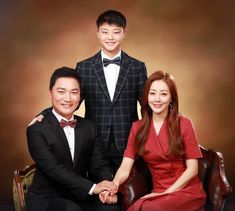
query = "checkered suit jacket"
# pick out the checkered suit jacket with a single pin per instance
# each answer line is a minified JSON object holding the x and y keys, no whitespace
{"x":122,"y":111}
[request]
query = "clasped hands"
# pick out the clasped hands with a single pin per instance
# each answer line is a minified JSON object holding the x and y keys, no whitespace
{"x":107,"y":191}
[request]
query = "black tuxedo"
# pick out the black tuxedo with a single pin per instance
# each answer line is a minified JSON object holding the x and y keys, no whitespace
{"x":115,"y":116}
{"x":56,"y":174}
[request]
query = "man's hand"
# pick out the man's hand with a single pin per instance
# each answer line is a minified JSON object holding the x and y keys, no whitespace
{"x":103,"y":196}
{"x":105,"y":185}
{"x":36,"y":119}
{"x":107,"y":197}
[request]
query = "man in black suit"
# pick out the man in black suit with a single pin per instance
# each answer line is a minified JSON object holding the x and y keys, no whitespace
{"x":68,"y":154}
{"x":111,"y":85}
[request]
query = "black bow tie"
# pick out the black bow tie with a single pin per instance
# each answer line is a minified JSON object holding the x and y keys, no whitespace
{"x":71,"y":123}
{"x":116,"y":61}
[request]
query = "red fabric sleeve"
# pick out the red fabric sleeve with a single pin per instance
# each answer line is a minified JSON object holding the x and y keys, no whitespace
{"x":191,"y":147}
{"x":130,"y":151}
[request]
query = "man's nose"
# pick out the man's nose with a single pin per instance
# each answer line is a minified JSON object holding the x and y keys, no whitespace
{"x":67,"y":97}
{"x":110,"y":35}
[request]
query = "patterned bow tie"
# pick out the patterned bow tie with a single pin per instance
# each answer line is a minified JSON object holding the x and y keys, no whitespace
{"x":71,"y":123}
{"x":116,"y":61}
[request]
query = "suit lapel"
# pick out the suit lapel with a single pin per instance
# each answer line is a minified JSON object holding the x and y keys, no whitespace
{"x":98,"y":69}
{"x":78,"y":139}
{"x":124,"y":70}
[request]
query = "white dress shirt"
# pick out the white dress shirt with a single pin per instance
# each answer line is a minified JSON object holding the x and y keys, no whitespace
{"x":111,"y":73}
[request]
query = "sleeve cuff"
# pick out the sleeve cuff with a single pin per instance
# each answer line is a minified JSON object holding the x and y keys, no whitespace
{"x":91,"y":190}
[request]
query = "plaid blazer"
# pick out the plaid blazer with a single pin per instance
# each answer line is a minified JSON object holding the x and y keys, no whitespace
{"x":122,"y":111}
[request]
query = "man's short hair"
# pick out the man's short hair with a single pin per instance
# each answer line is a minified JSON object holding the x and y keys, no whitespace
{"x":63,"y":72}
{"x":111,"y":17}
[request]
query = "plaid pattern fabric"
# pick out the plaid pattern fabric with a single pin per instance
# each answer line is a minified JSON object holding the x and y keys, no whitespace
{"x":122,"y":111}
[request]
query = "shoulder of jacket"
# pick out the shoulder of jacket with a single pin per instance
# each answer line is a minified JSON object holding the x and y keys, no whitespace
{"x":38,"y":125}
{"x":83,"y":120}
{"x":132,"y":59}
{"x":90,"y":59}
{"x":41,"y":125}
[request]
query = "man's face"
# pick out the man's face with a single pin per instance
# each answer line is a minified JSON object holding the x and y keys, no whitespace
{"x":65,"y":96}
{"x":110,"y":38}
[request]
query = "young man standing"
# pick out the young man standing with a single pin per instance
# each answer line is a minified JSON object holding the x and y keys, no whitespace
{"x":69,"y":160}
{"x":111,"y":84}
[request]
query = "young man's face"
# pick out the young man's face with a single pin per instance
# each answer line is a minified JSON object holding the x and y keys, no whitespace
{"x":65,"y":96}
{"x":110,"y":38}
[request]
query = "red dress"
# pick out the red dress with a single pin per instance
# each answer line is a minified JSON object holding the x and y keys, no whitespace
{"x":167,"y":169}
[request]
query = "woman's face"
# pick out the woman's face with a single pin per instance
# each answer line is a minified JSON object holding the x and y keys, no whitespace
{"x":159,"y":97}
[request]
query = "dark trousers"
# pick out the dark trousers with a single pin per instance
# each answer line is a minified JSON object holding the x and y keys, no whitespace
{"x":38,"y":202}
{"x":113,"y":155}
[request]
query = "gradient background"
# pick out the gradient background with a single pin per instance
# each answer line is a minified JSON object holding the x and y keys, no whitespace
{"x":193,"y":40}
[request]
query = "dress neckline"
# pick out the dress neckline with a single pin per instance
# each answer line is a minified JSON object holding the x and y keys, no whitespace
{"x":157,"y":133}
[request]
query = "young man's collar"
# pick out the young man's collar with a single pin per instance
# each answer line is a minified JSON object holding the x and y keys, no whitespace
{"x":103,"y":55}
{"x":59,"y":117}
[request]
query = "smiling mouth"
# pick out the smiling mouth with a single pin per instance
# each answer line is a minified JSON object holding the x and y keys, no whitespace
{"x":110,"y":43}
{"x":66,"y":105}
{"x":157,"y":105}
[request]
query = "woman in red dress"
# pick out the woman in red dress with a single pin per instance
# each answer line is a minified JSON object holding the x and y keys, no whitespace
{"x":168,"y":143}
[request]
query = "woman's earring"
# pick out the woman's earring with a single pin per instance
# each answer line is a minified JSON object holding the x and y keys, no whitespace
{"x":171,"y":106}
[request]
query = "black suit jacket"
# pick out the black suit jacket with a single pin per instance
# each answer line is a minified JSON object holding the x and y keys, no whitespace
{"x":122,"y":111}
{"x":56,"y":174}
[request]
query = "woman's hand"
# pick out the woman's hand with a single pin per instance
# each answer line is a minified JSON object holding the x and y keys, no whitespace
{"x":151,"y":195}
{"x":38,"y":118}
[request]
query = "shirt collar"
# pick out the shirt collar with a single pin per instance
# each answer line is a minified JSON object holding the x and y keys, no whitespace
{"x":59,"y":117}
{"x":103,"y":55}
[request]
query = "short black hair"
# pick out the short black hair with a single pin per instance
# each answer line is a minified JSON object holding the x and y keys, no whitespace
{"x":63,"y":72}
{"x":111,"y":17}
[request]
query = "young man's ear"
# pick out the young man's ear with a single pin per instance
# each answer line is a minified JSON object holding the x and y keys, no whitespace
{"x":124,"y":33}
{"x":49,"y":94}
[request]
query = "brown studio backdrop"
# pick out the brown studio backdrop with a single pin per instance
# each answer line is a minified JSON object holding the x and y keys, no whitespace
{"x":192,"y":40}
